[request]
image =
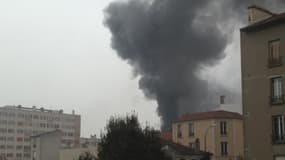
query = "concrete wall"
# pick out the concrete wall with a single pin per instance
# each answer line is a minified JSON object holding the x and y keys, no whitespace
{"x":256,"y":91}
{"x":46,"y":146}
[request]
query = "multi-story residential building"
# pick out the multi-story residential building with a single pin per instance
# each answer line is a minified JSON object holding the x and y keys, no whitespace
{"x":217,"y":132}
{"x":263,"y":71}
{"x":18,"y":124}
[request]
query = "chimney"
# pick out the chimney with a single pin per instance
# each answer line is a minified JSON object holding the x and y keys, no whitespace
{"x":222,"y":99}
{"x":256,"y":13}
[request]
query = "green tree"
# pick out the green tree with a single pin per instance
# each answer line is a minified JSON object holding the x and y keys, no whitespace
{"x":125,"y":139}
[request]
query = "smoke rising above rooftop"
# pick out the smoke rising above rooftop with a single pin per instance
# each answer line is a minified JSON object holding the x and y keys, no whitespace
{"x":167,"y":41}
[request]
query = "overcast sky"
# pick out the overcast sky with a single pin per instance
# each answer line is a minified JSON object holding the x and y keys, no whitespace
{"x":56,"y":54}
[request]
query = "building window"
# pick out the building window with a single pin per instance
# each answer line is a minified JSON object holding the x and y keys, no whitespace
{"x":192,"y":145}
{"x":274,"y":58}
{"x":179,"y":132}
{"x":278,"y":129}
{"x":276,"y":90}
{"x":19,"y":139}
{"x":224,"y":148}
{"x":191,"y":129}
{"x":223,"y":128}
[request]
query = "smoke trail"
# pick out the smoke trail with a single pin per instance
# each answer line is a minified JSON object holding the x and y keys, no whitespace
{"x":167,"y":41}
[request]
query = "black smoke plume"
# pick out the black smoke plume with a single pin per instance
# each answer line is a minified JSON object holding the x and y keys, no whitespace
{"x":167,"y":42}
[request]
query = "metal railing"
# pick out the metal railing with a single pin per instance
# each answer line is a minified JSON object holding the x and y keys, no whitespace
{"x":278,"y":139}
{"x":275,"y":62}
{"x":277,"y":99}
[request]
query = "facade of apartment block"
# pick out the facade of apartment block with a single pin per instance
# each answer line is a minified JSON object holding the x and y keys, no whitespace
{"x":217,"y":132}
{"x":18,"y":124}
{"x":263,"y":71}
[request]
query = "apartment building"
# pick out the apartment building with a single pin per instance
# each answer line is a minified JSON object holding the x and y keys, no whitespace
{"x":263,"y":71}
{"x":18,"y":124}
{"x":217,"y":132}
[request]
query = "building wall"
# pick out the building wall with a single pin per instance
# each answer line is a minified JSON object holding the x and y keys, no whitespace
{"x":46,"y":146}
{"x":234,"y":136}
{"x":73,"y":154}
{"x":17,"y":124}
{"x":256,"y":91}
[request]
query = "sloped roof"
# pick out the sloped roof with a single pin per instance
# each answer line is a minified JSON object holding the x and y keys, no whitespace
{"x":262,"y":9}
{"x":273,"y":20}
{"x":47,"y":133}
{"x":166,"y":136}
{"x":183,"y":150}
{"x":209,"y":115}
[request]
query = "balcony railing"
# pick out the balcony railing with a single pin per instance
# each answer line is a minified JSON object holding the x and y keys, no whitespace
{"x":275,"y":100}
{"x":278,"y":139}
{"x":275,"y":62}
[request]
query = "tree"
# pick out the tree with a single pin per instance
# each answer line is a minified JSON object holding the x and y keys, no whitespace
{"x":126,"y":140}
{"x":86,"y":156}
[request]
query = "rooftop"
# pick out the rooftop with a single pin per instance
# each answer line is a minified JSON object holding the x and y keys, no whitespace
{"x":47,"y":133}
{"x":34,"y":109}
{"x":275,"y":19}
{"x":209,"y":115}
{"x":166,"y":136}
{"x":183,"y":150}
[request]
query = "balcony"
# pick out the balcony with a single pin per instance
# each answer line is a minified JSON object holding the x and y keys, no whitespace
{"x":278,"y":139}
{"x":277,"y":100}
{"x":275,"y":62}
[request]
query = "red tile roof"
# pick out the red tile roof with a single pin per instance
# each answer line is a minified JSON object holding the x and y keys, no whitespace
{"x":167,"y":136}
{"x":209,"y":115}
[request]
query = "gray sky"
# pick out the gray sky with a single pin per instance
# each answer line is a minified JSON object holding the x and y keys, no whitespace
{"x":56,"y":54}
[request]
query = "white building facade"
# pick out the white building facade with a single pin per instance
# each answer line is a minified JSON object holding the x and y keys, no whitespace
{"x":18,"y":124}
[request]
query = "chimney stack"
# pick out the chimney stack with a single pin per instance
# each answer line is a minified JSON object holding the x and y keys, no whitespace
{"x":222,"y":99}
{"x":256,"y":13}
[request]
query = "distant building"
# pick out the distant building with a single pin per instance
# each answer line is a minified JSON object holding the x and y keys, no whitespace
{"x":46,"y":146}
{"x":18,"y":124}
{"x":74,"y":153}
{"x":217,"y":132}
{"x":89,"y":142}
{"x":263,"y":72}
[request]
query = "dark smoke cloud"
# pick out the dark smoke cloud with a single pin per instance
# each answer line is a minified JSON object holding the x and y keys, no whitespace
{"x":167,"y":41}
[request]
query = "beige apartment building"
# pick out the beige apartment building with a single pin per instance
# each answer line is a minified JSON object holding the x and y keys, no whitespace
{"x":263,"y":71}
{"x":217,"y":132}
{"x":18,"y":124}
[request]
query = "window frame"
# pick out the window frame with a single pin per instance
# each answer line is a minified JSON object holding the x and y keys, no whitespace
{"x":179,"y":131}
{"x":223,"y":128}
{"x":224,"y":148}
{"x":272,"y":60}
{"x":191,"y":129}
{"x":276,"y":90}
{"x":280,"y":139}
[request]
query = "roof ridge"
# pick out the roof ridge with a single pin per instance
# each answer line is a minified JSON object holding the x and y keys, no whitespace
{"x":219,"y":114}
{"x":262,"y":9}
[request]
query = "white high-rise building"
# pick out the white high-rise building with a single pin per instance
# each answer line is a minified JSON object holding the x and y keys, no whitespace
{"x":18,"y":124}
